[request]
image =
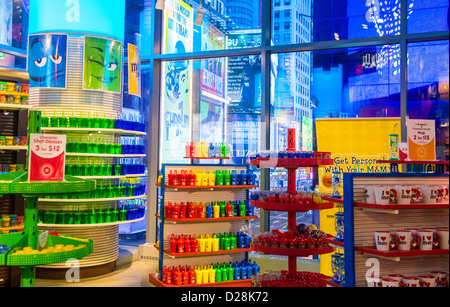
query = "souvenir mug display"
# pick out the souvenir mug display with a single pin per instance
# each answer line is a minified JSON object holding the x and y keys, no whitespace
{"x":434,"y":279}
{"x":405,"y":194}
{"x":425,"y":239}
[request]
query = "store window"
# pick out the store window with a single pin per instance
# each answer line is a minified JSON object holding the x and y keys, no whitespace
{"x":428,"y":89}
{"x":325,"y":20}
{"x":13,"y":31}
{"x":136,"y":107}
{"x":224,"y":24}
{"x":357,"y":82}
{"x":427,"y":16}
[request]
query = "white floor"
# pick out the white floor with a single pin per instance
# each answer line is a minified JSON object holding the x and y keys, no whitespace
{"x":129,"y":273}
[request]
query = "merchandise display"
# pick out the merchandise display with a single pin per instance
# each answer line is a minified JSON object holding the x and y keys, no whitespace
{"x":218,"y":178}
{"x":210,"y":274}
{"x":411,"y":230}
{"x":212,"y":227}
{"x":286,"y":279}
{"x":184,"y":244}
{"x":14,"y":93}
{"x":208,"y":210}
{"x":11,"y":223}
{"x":13,"y":141}
{"x":88,"y":120}
{"x":202,"y":150}
{"x":224,"y":144}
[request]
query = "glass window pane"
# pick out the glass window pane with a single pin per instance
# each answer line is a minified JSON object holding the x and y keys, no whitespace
{"x":14,"y":23}
{"x":324,"y":20}
{"x":427,"y":16}
{"x":226,"y":24}
{"x":357,"y":82}
{"x":428,"y":88}
{"x":215,"y":100}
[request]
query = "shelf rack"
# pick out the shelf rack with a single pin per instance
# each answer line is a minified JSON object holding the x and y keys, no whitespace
{"x":16,"y":183}
{"x":362,"y":220}
{"x":292,"y":164}
{"x":200,"y":226}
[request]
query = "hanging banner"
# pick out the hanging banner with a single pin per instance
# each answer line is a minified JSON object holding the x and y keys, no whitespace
{"x":355,"y":144}
{"x":134,"y":71}
{"x":47,"y":157}
{"x":176,"y":92}
{"x":47,"y":60}
{"x":422,"y":140}
{"x":102,"y":65}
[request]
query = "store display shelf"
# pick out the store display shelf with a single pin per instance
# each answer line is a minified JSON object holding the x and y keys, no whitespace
{"x":17,"y":183}
{"x":12,"y":148}
{"x":224,"y":187}
{"x":15,"y":94}
{"x":397,"y":254}
{"x":198,"y":254}
{"x":334,"y":200}
{"x":154,"y":279}
{"x":82,"y":248}
{"x":291,"y":207}
{"x":111,"y":177}
{"x":76,"y":154}
{"x":205,"y":158}
{"x":396,"y":207}
{"x":297,"y":252}
{"x":10,"y":106}
{"x":336,"y":244}
{"x":292,"y":162}
{"x":329,"y":283}
{"x":92,"y":200}
{"x":211,"y":220}
{"x":94,"y":130}
{"x":90,"y":225}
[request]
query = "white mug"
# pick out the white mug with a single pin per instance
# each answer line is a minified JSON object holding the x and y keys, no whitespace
{"x":427,"y":240}
{"x":382,"y":195}
{"x":404,"y":194}
{"x":389,"y":283}
{"x":429,"y":194}
{"x":411,"y":282}
{"x":441,"y":278}
{"x":385,"y":240}
{"x":443,"y":233}
{"x":428,"y":281}
{"x":408,"y":240}
{"x":369,"y":194}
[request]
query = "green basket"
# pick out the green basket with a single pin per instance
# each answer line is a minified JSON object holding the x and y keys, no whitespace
{"x":10,"y":239}
{"x":17,"y":183}
{"x":50,"y":258}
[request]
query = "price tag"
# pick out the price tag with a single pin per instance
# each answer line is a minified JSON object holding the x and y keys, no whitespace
{"x":422,"y":140}
{"x":47,"y":157}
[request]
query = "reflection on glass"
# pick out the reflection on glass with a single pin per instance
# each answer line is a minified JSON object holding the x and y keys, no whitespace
{"x":296,"y":22}
{"x":428,"y":88}
{"x":357,"y":82}
{"x":427,"y":16}
{"x":227,"y":24}
{"x":214,"y":100}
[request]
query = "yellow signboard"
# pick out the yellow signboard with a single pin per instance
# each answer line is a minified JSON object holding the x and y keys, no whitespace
{"x":134,"y":70}
{"x":355,"y":144}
